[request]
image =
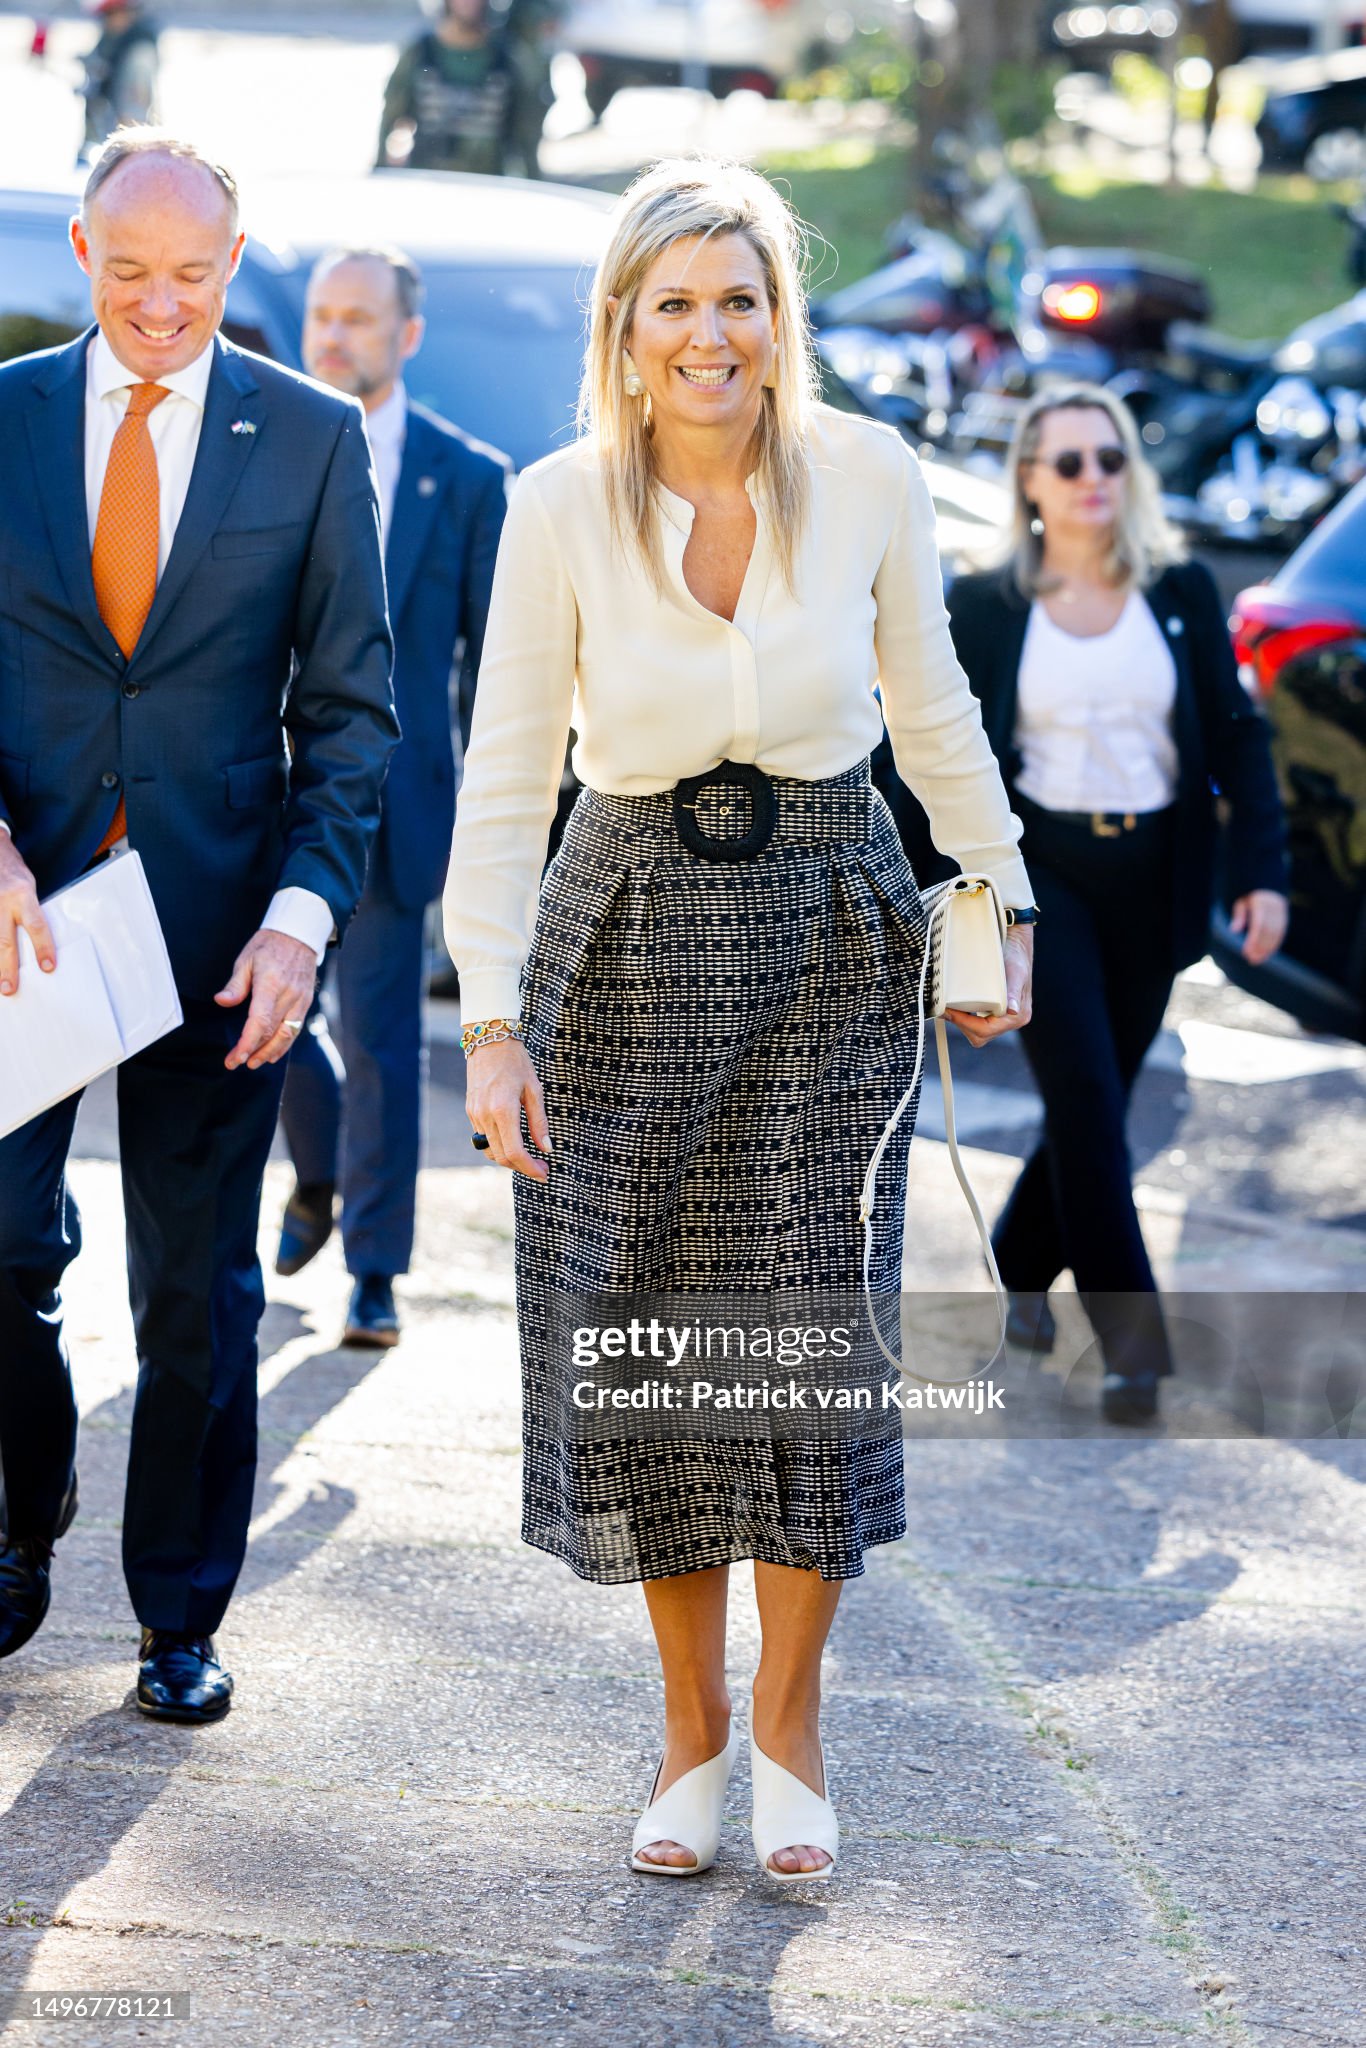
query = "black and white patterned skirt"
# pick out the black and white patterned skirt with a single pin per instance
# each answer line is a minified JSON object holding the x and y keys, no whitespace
{"x":720,"y":1046}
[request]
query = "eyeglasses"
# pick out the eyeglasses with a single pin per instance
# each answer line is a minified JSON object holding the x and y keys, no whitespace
{"x":1070,"y":462}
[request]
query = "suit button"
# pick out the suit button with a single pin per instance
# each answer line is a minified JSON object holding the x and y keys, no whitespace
{"x":131,"y":690}
{"x":109,"y":780}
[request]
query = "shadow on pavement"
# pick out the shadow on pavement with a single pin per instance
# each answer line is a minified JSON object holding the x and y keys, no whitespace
{"x":104,"y":1773}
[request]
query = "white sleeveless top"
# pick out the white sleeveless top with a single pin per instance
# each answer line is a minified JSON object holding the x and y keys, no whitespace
{"x":1094,"y":716}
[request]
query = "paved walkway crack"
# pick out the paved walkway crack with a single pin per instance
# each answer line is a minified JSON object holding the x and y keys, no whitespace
{"x":1177,"y":1933}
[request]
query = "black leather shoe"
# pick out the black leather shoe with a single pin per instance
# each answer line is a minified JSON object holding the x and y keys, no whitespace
{"x":1128,"y":1397}
{"x":372,"y":1318}
{"x":306,"y":1226}
{"x":1030,"y":1322}
{"x":25,"y":1591}
{"x":26,"y":1575}
{"x":180,"y":1677}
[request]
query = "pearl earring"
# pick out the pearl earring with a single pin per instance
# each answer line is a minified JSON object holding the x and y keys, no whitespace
{"x":1035,"y":522}
{"x":635,"y":383}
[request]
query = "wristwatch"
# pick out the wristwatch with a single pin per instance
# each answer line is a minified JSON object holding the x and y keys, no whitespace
{"x":1022,"y":913}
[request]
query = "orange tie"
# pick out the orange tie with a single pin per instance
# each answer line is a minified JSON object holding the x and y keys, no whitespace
{"x":123,"y":560}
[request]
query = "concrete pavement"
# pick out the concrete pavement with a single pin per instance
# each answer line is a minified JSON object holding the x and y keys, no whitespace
{"x":1094,"y":1729}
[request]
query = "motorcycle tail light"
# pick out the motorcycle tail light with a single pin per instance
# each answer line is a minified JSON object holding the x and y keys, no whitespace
{"x":1269,"y":632}
{"x":1076,"y":304}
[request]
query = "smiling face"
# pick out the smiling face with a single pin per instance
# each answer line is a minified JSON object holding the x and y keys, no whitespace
{"x":1090,"y":502}
{"x":704,"y":334}
{"x":159,"y":246}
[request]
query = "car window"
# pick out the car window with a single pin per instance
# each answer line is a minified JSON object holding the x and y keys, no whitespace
{"x":44,"y":297}
{"x":502,"y":353}
{"x":1328,"y":565}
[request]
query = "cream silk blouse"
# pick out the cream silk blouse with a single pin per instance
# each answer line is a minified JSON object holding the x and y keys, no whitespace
{"x":656,"y":687}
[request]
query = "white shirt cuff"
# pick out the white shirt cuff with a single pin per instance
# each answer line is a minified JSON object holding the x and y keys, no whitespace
{"x":300,"y":914}
{"x":5,"y":829}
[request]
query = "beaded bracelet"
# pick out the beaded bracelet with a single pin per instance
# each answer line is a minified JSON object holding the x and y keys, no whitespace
{"x":493,"y":1031}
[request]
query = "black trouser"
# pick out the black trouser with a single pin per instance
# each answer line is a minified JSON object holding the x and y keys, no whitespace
{"x":193,"y":1140}
{"x":1103,"y":972}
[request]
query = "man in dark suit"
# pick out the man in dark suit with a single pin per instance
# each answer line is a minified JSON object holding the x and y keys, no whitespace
{"x":442,"y":498}
{"x":190,"y":550}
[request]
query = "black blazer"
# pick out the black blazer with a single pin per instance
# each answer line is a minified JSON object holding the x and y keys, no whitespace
{"x":1221,"y":739}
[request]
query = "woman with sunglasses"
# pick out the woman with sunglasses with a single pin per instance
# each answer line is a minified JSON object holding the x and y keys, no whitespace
{"x":1109,"y":691}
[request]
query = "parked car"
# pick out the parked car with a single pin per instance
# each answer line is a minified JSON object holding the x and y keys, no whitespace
{"x":737,"y":45}
{"x":1272,"y":25}
{"x":1090,"y":35}
{"x":1314,"y":117}
{"x":507,"y":262}
{"x":1301,"y":640}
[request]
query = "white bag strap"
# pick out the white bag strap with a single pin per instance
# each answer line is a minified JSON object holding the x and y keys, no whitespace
{"x":938,"y":913}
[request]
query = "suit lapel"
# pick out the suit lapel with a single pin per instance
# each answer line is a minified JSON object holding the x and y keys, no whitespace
{"x":421,"y":477}
{"x":1014,"y":623}
{"x":219,"y":461}
{"x":56,"y":431}
{"x":1162,"y":599}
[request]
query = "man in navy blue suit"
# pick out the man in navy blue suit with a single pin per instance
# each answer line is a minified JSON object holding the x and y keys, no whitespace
{"x":194,"y":659}
{"x":442,"y":498}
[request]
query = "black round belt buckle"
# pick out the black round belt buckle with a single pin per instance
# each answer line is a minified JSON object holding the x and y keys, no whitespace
{"x":727,"y":775}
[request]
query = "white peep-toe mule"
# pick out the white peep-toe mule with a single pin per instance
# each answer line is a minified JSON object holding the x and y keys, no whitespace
{"x":688,"y":1813}
{"x":787,"y":1812}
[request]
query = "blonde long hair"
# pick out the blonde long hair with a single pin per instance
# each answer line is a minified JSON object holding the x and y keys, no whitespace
{"x":1145,"y":541}
{"x":674,"y":200}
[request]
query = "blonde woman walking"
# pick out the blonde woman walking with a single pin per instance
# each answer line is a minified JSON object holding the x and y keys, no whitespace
{"x":718,"y":1008}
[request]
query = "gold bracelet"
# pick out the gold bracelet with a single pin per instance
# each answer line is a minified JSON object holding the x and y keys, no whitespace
{"x":493,"y":1031}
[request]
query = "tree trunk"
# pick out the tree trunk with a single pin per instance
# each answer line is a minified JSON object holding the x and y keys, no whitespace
{"x":1223,"y":42}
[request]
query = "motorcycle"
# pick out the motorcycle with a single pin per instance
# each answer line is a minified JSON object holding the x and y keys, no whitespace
{"x":938,"y":326}
{"x":1252,"y":442}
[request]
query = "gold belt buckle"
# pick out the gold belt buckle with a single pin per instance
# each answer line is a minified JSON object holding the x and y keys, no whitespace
{"x":1101,"y":826}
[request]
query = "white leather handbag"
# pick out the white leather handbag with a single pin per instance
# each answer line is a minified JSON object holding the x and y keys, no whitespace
{"x":963,"y":969}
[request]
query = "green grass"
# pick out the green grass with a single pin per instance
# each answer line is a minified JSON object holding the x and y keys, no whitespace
{"x":1273,"y":257}
{"x":850,"y":193}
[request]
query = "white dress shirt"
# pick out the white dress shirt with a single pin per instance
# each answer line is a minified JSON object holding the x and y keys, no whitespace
{"x":174,"y":425}
{"x":1094,"y":716}
{"x":386,"y":429}
{"x":658,"y":687}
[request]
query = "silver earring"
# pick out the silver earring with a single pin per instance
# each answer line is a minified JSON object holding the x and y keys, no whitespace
{"x":635,"y":383}
{"x":1035,"y":522}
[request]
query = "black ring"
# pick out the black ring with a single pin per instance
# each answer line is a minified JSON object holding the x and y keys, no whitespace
{"x":479,"y":1142}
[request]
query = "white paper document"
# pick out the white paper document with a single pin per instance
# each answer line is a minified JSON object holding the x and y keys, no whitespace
{"x":111,"y":995}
